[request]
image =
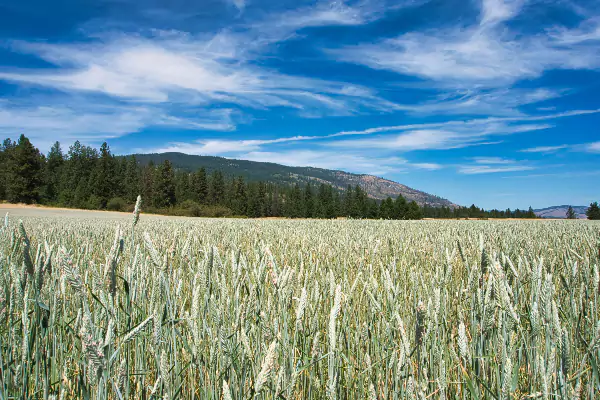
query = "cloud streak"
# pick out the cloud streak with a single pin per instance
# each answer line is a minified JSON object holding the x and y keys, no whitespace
{"x":493,"y":165}
{"x":544,"y":149}
{"x":440,"y":135}
{"x":487,"y":54}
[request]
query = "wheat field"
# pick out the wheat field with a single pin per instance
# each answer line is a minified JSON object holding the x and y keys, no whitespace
{"x":298,"y":309}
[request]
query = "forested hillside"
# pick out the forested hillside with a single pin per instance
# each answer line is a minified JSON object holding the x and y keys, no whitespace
{"x":84,"y":177}
{"x":253,"y":171}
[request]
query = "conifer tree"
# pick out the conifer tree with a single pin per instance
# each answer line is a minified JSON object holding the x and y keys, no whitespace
{"x":165,"y":185}
{"x":400,"y":208}
{"x":593,"y":212}
{"x":6,"y":154}
{"x":24,"y":173}
{"x":217,"y":187}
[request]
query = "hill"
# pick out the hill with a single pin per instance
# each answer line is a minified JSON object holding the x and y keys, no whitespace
{"x":376,"y":187}
{"x":561,"y":211}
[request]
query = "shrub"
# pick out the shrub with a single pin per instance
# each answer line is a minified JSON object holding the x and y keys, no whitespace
{"x":94,"y":203}
{"x":116,"y":204}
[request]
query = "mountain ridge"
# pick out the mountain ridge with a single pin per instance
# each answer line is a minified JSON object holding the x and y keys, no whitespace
{"x":376,"y":187}
{"x":561,"y":211}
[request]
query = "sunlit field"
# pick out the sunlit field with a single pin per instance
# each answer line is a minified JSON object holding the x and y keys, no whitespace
{"x":104,"y":308}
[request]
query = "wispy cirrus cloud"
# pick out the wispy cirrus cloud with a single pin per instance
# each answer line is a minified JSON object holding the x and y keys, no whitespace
{"x":179,"y":69}
{"x":451,"y":136}
{"x":165,"y":69}
{"x":544,"y":149}
{"x":486,"y":54}
{"x":69,"y":120}
{"x":491,"y":165}
{"x":425,"y":136}
{"x":593,"y":147}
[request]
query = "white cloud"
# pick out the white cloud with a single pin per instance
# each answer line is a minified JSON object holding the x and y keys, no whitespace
{"x":593,"y":147}
{"x":239,"y":4}
{"x":487,"y":169}
{"x":438,"y":135}
{"x":492,"y":160}
{"x":490,"y":165}
{"x":487,"y":54}
{"x":70,"y":121}
{"x":427,"y":166}
{"x":495,"y":11}
{"x":446,"y":136}
{"x":225,"y":68}
{"x":330,"y":160}
{"x":544,"y":149}
{"x":491,"y":102}
{"x":178,"y":69}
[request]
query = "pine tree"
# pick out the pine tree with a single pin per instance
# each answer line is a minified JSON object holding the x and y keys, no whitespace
{"x":182,"y":187}
{"x":240,"y":199}
{"x":104,"y":176}
{"x":386,"y":209}
{"x":413,"y":211}
{"x":24,"y":176}
{"x":261,"y":199}
{"x":217,"y":188}
{"x":593,"y":212}
{"x":349,"y":202}
{"x":131,"y":180}
{"x":571,"y":213}
{"x":400,"y":208}
{"x":360,"y":206}
{"x":53,"y":172}
{"x":148,"y":183}
{"x":78,"y":180}
{"x":295,"y":203}
{"x":6,"y":154}
{"x":200,"y":186}
{"x":309,"y":204}
{"x":165,"y":185}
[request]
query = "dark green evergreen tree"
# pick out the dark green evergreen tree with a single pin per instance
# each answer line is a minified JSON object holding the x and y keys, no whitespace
{"x":386,"y":209}
{"x":217,"y":188}
{"x":593,"y":211}
{"x":103,"y":176}
{"x":183,"y":186}
{"x":53,"y":173}
{"x":200,"y":186}
{"x":164,"y":195}
{"x":400,"y":208}
{"x":24,"y":174}
{"x":131,"y":184}
{"x":240,"y":200}
{"x":349,"y":207}
{"x":413,"y":211}
{"x":309,"y":202}
{"x":571,"y":213}
{"x":6,"y":154}
{"x":261,"y":199}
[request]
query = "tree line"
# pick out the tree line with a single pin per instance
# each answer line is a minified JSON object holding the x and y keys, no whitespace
{"x":85,"y":177}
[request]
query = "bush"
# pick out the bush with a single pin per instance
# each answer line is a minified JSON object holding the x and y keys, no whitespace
{"x":116,"y":204}
{"x":188,"y":208}
{"x":216,"y":211}
{"x":94,"y":203}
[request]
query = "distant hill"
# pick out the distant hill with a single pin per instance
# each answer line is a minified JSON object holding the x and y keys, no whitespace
{"x":561,"y":211}
{"x":377,"y":188}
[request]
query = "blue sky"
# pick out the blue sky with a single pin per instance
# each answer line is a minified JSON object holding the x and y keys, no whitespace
{"x":492,"y":102}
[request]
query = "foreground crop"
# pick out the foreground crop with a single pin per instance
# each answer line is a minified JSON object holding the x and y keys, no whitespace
{"x":239,"y":309}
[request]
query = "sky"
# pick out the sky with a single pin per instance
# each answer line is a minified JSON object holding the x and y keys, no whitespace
{"x":492,"y":102}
